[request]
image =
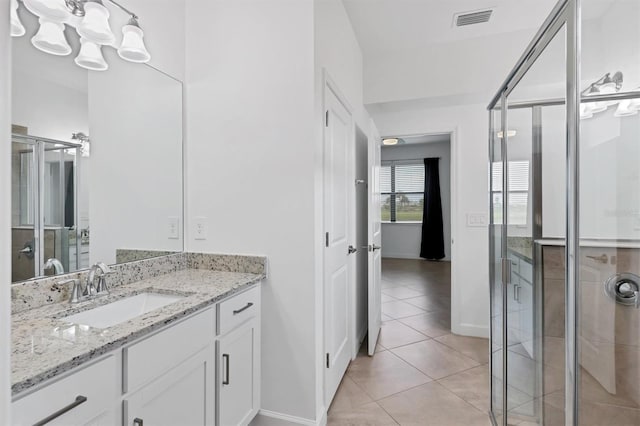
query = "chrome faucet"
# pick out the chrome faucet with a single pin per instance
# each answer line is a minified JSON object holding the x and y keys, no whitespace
{"x":55,"y":264}
{"x":100,"y":271}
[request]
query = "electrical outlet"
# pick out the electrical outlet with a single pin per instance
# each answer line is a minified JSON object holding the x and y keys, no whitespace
{"x":200,"y":228}
{"x":477,"y":220}
{"x":173,"y":230}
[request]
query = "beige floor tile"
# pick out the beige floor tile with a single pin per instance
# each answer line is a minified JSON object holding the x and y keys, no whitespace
{"x":367,"y":415}
{"x":435,"y":359}
{"x":349,"y":396}
{"x":395,"y":333}
{"x":432,"y":324}
{"x":431,"y":303}
{"x":400,"y":309}
{"x":384,"y":374}
{"x":386,"y":298}
{"x":432,"y":404}
{"x":473,"y":347}
{"x":471,"y":385}
{"x":402,"y":292}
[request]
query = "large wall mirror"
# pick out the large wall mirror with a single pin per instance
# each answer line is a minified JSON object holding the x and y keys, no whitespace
{"x":96,"y":159}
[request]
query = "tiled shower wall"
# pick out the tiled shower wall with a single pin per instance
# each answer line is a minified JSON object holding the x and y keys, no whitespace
{"x":609,"y":333}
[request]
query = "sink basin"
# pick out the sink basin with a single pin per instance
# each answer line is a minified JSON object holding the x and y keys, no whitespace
{"x":114,"y":313}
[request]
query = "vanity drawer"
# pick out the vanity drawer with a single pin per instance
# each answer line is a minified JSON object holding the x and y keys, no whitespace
{"x":237,"y":309}
{"x":76,"y":398}
{"x":157,"y":354}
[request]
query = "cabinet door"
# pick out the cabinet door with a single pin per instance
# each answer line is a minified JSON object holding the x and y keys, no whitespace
{"x":181,"y":396}
{"x":238,"y":375}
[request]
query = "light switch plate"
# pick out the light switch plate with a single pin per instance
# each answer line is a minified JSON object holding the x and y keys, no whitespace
{"x":478,"y":220}
{"x":200,"y":228}
{"x":173,"y":230}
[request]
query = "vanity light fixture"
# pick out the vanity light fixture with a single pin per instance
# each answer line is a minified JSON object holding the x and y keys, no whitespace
{"x":17,"y":29}
{"x":625,"y":109}
{"x":605,"y":85}
{"x":90,"y":18}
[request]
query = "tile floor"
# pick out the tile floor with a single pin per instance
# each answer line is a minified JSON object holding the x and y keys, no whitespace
{"x":421,"y":374}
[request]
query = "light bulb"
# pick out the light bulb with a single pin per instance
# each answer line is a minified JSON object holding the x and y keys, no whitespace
{"x":597,"y":107}
{"x":17,"y":29}
{"x":53,"y":10}
{"x":95,"y":24}
{"x":90,"y":56}
{"x":133,"y":48}
{"x":50,"y":38}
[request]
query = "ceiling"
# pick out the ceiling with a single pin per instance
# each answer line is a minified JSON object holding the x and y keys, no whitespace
{"x":392,"y":25}
{"x":411,"y":140}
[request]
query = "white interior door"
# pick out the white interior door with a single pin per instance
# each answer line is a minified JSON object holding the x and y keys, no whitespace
{"x":338,"y":144}
{"x":375,"y":244}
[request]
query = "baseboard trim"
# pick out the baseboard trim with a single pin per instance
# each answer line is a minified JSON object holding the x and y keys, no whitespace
{"x":470,"y":330}
{"x":293,"y":420}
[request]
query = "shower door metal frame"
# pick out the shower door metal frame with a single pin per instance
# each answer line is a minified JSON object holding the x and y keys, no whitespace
{"x":37,"y":188}
{"x":566,"y":14}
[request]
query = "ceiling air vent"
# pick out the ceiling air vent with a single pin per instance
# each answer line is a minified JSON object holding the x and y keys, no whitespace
{"x":472,"y":18}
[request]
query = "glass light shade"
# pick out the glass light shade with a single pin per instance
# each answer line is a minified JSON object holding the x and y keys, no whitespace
{"x":53,"y":10}
{"x":133,"y":48}
{"x":625,"y":109}
{"x":586,"y":111}
{"x":95,"y":24}
{"x":17,"y":29}
{"x":597,"y":107}
{"x":608,"y":89}
{"x":50,"y":38}
{"x":90,"y":56}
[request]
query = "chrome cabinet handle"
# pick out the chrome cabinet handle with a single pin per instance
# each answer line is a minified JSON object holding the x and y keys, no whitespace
{"x":138,"y":421}
{"x":250,"y":304}
{"x":79,"y":400}
{"x":225,"y":360}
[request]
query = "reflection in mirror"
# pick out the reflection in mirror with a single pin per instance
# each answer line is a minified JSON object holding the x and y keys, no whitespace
{"x":96,"y":158}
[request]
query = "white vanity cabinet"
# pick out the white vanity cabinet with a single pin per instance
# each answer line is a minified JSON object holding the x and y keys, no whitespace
{"x":86,"y":397}
{"x":168,"y":378}
{"x":238,"y":358}
{"x":200,"y":371}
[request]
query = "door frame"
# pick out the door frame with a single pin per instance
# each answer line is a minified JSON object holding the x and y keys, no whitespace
{"x":329,"y":86}
{"x":456,"y":295}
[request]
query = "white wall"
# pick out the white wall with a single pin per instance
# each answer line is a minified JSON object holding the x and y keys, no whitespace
{"x":403,"y":240}
{"x":251,"y":166}
{"x":5,"y":215}
{"x":470,"y":275}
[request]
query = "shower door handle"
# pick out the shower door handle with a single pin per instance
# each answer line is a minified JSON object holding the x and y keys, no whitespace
{"x":516,"y":293}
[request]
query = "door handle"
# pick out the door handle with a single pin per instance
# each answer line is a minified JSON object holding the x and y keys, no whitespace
{"x":79,"y":400}
{"x":375,"y":247}
{"x":226,"y":381}
{"x":138,"y":422}
{"x":516,"y":293}
{"x":352,"y":249}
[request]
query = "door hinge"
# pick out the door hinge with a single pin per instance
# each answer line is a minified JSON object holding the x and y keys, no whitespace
{"x":326,"y":239}
{"x":327,"y":359}
{"x":326,"y":118}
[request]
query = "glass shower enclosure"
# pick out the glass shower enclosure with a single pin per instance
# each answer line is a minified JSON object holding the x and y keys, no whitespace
{"x":564,"y":149}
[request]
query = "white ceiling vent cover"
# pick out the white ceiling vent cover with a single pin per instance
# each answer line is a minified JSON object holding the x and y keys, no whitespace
{"x":471,"y":18}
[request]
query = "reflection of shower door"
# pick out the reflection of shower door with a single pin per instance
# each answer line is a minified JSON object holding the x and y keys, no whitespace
{"x":44,"y":195}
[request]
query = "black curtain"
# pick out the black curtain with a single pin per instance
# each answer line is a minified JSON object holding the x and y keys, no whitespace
{"x":432,"y":246}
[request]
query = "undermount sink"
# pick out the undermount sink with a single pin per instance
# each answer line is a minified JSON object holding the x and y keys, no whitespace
{"x":114,"y":313}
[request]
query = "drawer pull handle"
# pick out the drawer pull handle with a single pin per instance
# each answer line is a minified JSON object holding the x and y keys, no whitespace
{"x":250,"y":304}
{"x":138,"y":422}
{"x":79,"y":400}
{"x":225,"y":358}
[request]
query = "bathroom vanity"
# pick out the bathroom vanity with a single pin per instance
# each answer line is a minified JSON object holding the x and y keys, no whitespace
{"x":195,"y":360}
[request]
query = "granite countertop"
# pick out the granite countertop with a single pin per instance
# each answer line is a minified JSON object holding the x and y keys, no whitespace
{"x":44,"y":346}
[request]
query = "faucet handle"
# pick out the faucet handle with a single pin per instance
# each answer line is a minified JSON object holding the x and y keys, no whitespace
{"x":102,"y":283}
{"x":76,"y":292}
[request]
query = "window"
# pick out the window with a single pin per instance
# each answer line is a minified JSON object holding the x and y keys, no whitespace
{"x":402,"y":187}
{"x":518,"y":192}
